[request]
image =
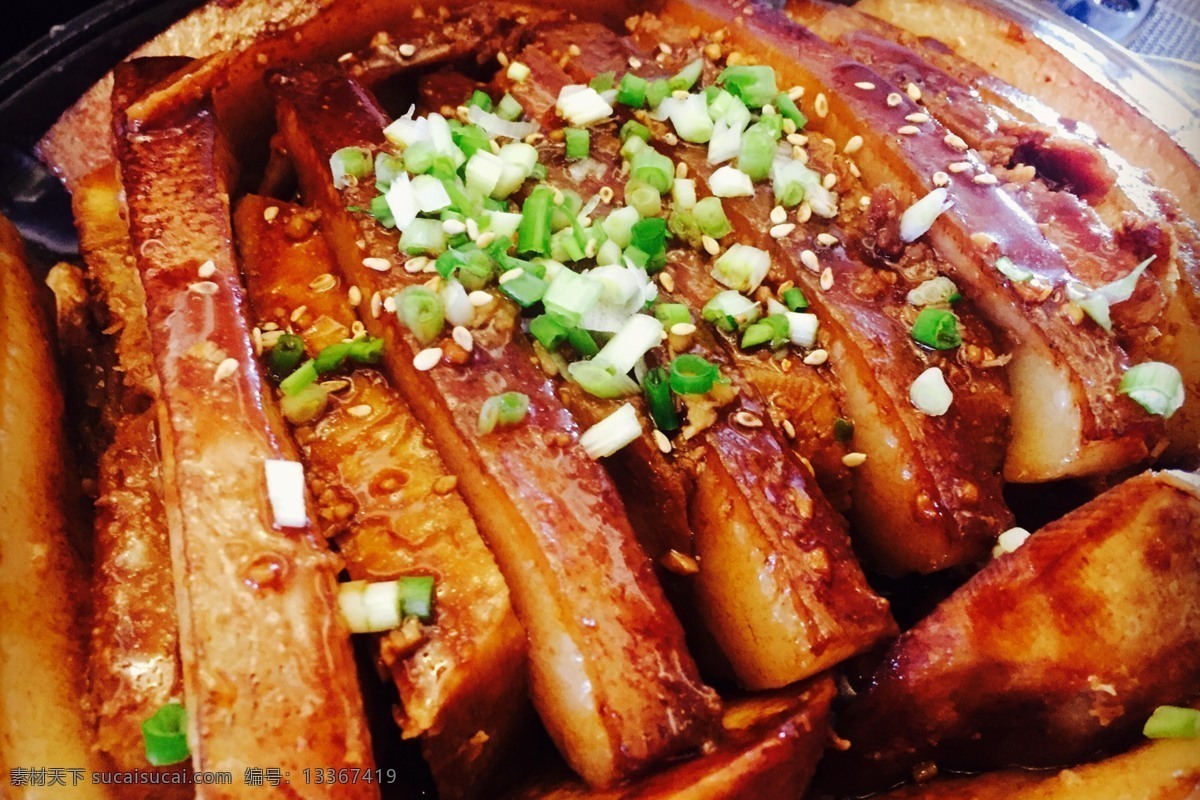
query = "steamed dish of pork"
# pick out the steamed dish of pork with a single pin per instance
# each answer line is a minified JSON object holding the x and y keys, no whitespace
{"x":705,"y":400}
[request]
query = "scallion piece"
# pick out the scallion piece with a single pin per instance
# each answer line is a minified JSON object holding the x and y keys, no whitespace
{"x":742,"y":267}
{"x":481,"y":99}
{"x":634,"y":129}
{"x":686,"y":78}
{"x":754,"y":85}
{"x":775,"y":329}
{"x":788,"y":108}
{"x":570,"y":296}
{"x":611,"y":433}
{"x":650,"y":236}
{"x":843,"y":430}
{"x":549,"y":332}
{"x":508,"y":108}
{"x":165,"y":736}
{"x":656,"y":92}
{"x":691,"y":120}
{"x":603,"y":82}
{"x":652,"y":168}
{"x":794,"y":299}
{"x":469,"y":138}
{"x":305,"y":405}
{"x":423,"y":237}
{"x":1173,"y":722}
{"x":502,"y":410}
{"x":387,"y":168}
{"x":285,"y":356}
{"x":416,"y":597}
{"x":730,"y":311}
{"x":693,"y":374}
{"x":601,"y":380}
{"x":382,"y":212}
{"x":757,"y":153}
{"x":671,"y":314}
{"x":645,"y":200}
{"x":578,"y":143}
{"x":364,"y":350}
{"x":582,"y":342}
{"x":937,"y":328}
{"x":348,"y":165}
{"x":537,"y":214}
{"x":657,"y":387}
{"x":383,"y":605}
{"x":303,"y":375}
{"x":710,"y":217}
{"x":524,"y":289}
{"x":420,"y":309}
{"x":1155,"y":386}
{"x":631,"y":91}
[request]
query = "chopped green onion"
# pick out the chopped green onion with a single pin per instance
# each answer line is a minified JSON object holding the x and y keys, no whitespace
{"x":524,"y":289}
{"x":657,"y":387}
{"x":365,"y":350}
{"x":757,"y":153}
{"x":481,"y":99}
{"x":470,"y":138}
{"x":305,"y":405}
{"x":790,"y":183}
{"x":775,"y":329}
{"x":601,"y":380}
{"x":165,"y":736}
{"x":693,"y":374}
{"x":635,"y":129}
{"x":611,"y":433}
{"x":582,"y":105}
{"x":1010,"y":270}
{"x":1173,"y":722}
{"x":517,"y":72}
{"x":537,"y":214}
{"x":937,"y":328}
{"x":1155,"y":386}
{"x":603,"y":82}
{"x":416,"y":597}
{"x":619,"y":225}
{"x":686,"y":78}
{"x":742,"y":267}
{"x":802,"y":328}
{"x":710,"y":216}
{"x":304,"y":374}
{"x":650,"y":236}
{"x":348,"y":165}
{"x":691,"y":120}
{"x":843,"y":430}
{"x":387,"y":168}
{"x":508,"y":108}
{"x":578,"y":142}
{"x":285,"y":356}
{"x":730,"y":182}
{"x":920,"y":216}
{"x":583,"y":342}
{"x":420,"y":309}
{"x":502,"y":410}
{"x":570,"y":296}
{"x":549,"y":332}
{"x":794,"y":299}
{"x":651,"y":167}
{"x":423,"y":237}
{"x":671,"y":314}
{"x":645,"y":200}
{"x":632,"y":91}
{"x":933,"y":292}
{"x":930,"y":394}
{"x":730,"y":311}
{"x":383,"y":605}
{"x":656,"y":92}
{"x":683,"y":194}
{"x":382,"y":212}
{"x":637,"y":336}
{"x":788,"y":108}
{"x":755,"y":86}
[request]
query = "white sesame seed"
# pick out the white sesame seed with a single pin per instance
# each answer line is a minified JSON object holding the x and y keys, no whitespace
{"x":959,"y":166}
{"x":747,"y":420}
{"x":854,"y":170}
{"x":982,"y":240}
{"x":809,"y":259}
{"x":854,"y":459}
{"x":683,"y":329}
{"x":487,"y":237}
{"x":413,"y":265}
{"x":710,"y":245}
{"x":817,"y":357}
{"x":297,"y":313}
{"x":270,"y":326}
{"x":453,"y":227}
{"x":271,"y":338}
{"x":256,"y":338}
{"x":986,"y":179}
{"x":914,"y":92}
{"x":480,"y":298}
{"x":827,"y":239}
{"x":377,"y":264}
{"x":323,"y":282}
{"x":800,"y":154}
{"x":681,"y":169}
{"x":473,"y":228}
{"x":917,"y":117}
{"x":203,"y":287}
{"x":821,"y":105}
{"x":270,"y":213}
{"x":826,"y":279}
{"x":908,"y":130}
{"x":789,"y":429}
{"x":865,"y":201}
{"x":780,"y":231}
{"x":955,"y":141}
{"x":389,"y":304}
{"x":361,"y":410}
{"x":829,"y":181}
{"x":427,"y":359}
{"x":804,"y":212}
{"x":853,"y":145}
{"x":354,"y":295}
{"x":357,"y":329}
{"x":661,"y":440}
{"x":635,"y":62}
{"x":376,"y":305}
{"x":463,"y":338}
{"x":866,"y":86}
{"x":778,"y":215}
{"x":606,"y":194}
{"x":511,"y":274}
{"x":941,"y":179}
{"x":670,"y":139}
{"x":207,"y":269}
{"x":407,"y":50}
{"x":667,"y":280}
{"x":798,"y":139}
{"x":225,"y":369}
{"x":894,"y":100}
{"x":796,"y":92}
{"x":574,"y":50}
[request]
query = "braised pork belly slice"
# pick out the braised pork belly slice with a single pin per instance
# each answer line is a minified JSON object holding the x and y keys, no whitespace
{"x":584,"y":591}
{"x":1068,"y":417}
{"x":255,"y":585}
{"x":385,"y":498}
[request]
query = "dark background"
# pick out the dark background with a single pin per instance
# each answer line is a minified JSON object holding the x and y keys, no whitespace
{"x":34,"y":20}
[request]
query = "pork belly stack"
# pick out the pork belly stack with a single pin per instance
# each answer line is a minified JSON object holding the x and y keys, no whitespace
{"x":578,"y":363}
